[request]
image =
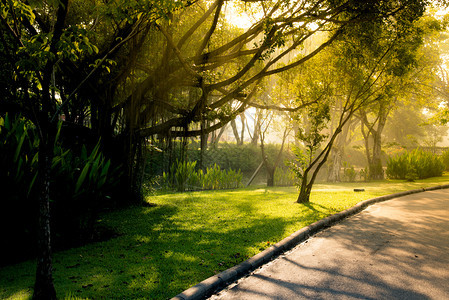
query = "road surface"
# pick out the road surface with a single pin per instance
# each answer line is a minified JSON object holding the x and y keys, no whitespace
{"x":398,"y":249}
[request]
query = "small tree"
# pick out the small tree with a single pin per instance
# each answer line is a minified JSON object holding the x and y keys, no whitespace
{"x":312,"y":136}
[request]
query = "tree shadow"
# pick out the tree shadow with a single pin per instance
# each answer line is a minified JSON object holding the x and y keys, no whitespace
{"x":154,"y":251}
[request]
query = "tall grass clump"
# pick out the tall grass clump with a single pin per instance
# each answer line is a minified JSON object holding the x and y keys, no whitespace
{"x":183,"y":176}
{"x":416,"y":164}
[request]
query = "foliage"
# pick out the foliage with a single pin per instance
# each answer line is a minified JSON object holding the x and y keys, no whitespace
{"x":285,"y":177}
{"x":80,"y":185}
{"x":183,"y":176}
{"x":244,"y":157}
{"x":354,"y":156}
{"x":229,"y":156}
{"x":364,"y":174}
{"x":299,"y":163}
{"x":445,"y":158}
{"x":349,"y":173}
{"x":312,"y":135}
{"x":182,"y":239}
{"x":416,"y":164}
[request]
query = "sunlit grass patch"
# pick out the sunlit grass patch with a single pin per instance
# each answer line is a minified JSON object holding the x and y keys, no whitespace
{"x":185,"y":238}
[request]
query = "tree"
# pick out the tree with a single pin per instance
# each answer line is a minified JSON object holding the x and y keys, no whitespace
{"x":406,"y":84}
{"x":404,"y":126}
{"x":265,"y":123}
{"x":366,"y":64}
{"x":209,"y":65}
{"x":41,"y":94}
{"x":46,"y":47}
{"x":338,"y":151}
{"x":164,"y":69}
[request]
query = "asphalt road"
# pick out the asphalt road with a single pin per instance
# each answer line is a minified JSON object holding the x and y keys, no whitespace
{"x":398,"y":249}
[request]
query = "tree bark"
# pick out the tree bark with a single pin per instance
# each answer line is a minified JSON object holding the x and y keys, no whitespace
{"x":271,"y":168}
{"x":337,"y":153}
{"x":374,"y":158}
{"x":375,"y":168}
{"x":305,"y":190}
{"x":242,"y":134}
{"x":235,"y":131}
{"x":43,"y":286}
{"x":334,"y":170}
{"x":203,"y":146}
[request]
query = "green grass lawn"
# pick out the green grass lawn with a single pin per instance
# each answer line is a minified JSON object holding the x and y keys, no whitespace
{"x":186,"y":238}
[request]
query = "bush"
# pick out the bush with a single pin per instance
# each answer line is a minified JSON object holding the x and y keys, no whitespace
{"x":78,"y":188}
{"x":416,"y":164}
{"x":285,"y":177}
{"x":228,"y":156}
{"x":445,"y":158}
{"x":349,"y":173}
{"x":183,"y":177}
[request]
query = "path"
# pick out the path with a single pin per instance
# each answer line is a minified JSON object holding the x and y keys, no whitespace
{"x":398,"y":249}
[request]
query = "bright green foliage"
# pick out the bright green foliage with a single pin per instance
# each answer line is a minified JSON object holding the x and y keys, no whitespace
{"x":349,"y":173}
{"x":285,"y":177}
{"x":183,"y":239}
{"x":215,"y":178}
{"x":417,"y":164}
{"x":183,"y":176}
{"x":445,"y":158}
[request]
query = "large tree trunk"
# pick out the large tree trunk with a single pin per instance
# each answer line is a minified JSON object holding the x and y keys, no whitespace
{"x":305,"y":190}
{"x":334,"y":170}
{"x":375,"y":162}
{"x":270,"y":176}
{"x":43,"y":286}
{"x":375,"y":168}
{"x":337,"y":153}
{"x":203,"y":147}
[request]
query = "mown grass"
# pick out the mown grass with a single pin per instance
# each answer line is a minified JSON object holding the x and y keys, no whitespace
{"x":185,"y":238}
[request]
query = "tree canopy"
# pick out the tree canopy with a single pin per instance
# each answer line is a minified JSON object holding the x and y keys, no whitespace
{"x":130,"y":72}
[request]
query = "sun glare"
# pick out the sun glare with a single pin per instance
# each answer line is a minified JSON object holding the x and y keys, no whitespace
{"x":241,"y":19}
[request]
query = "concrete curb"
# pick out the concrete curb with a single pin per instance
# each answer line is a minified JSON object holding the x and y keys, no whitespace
{"x":215,"y":283}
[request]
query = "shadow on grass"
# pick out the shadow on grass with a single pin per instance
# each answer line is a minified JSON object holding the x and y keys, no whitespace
{"x":158,"y":254}
{"x":165,"y":249}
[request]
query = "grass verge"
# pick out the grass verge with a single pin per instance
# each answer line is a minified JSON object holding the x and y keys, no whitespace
{"x":186,"y":238}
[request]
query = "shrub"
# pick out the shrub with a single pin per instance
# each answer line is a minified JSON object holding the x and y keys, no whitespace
{"x":246,"y":157}
{"x":417,"y":164}
{"x":349,"y":174}
{"x":445,"y":158}
{"x":78,"y":188}
{"x":183,"y":177}
{"x":285,"y":177}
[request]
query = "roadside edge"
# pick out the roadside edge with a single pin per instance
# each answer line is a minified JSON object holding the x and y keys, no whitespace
{"x":219,"y":281}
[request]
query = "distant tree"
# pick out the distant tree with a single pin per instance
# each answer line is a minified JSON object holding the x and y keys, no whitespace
{"x":406,"y":84}
{"x":264,"y":125}
{"x":404,"y":126}
{"x":360,"y":72}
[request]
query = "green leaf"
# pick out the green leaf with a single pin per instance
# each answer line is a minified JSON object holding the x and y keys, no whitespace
{"x":19,"y":146}
{"x":31,"y":184}
{"x":82,"y":176}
